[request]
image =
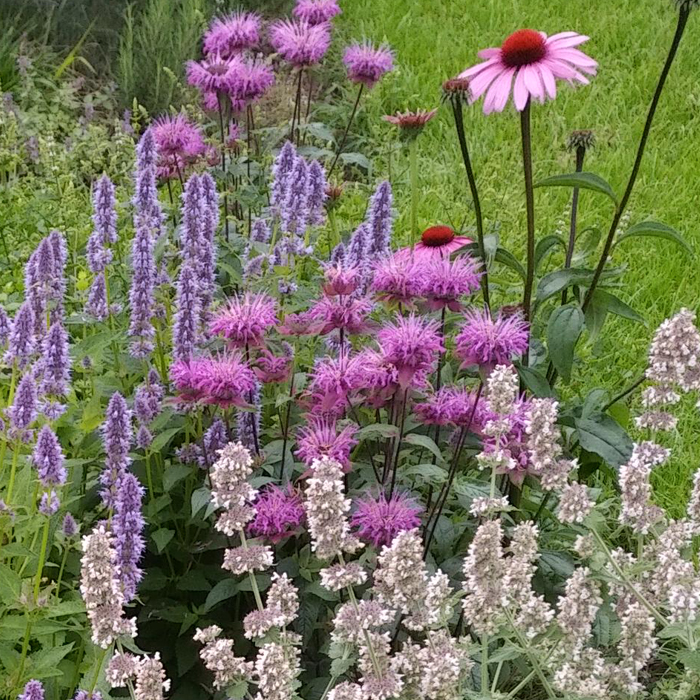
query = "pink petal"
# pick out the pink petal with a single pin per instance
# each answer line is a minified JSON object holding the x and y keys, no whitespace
{"x":563,"y":35}
{"x":550,"y":84}
{"x":475,"y":70}
{"x":497,"y":96}
{"x":489,"y":53}
{"x":533,"y":82}
{"x":578,"y":58}
{"x":559,"y":69}
{"x":566,"y":43}
{"x":520,"y":91}
{"x":478,"y":85}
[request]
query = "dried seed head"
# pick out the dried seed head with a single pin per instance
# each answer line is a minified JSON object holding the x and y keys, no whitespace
{"x":581,"y":138}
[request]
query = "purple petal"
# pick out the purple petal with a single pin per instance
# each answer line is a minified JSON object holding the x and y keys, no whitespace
{"x":533,"y":82}
{"x":498,"y":93}
{"x":478,"y":85}
{"x":489,"y":53}
{"x":520,"y":91}
{"x":550,"y":84}
{"x":475,"y":70}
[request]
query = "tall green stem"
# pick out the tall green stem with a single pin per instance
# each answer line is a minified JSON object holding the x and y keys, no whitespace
{"x":620,"y":209}
{"x":42,"y":560}
{"x":485,"y":666}
{"x":530,"y":206}
{"x":222,"y":130}
{"x":580,"y":155}
{"x":346,"y":132}
{"x":13,"y":473}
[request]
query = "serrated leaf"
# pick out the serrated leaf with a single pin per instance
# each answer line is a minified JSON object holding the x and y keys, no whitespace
{"x":563,"y":331}
{"x":690,"y":659}
{"x":605,"y":437}
{"x":10,"y":584}
{"x":162,"y":538}
{"x":425,"y":442}
{"x":584,"y":181}
{"x":341,"y":666}
{"x":222,"y":591}
{"x":47,"y":659}
{"x":654,"y":229}
{"x":173,"y":474}
{"x":357,"y":159}
{"x":427,"y":473}
{"x":237,"y":690}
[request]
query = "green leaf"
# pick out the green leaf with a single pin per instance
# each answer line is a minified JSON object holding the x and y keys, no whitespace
{"x":605,"y":437}
{"x":535,"y":382}
{"x":222,"y":591}
{"x":544,"y":245}
{"x":237,"y":691}
{"x":173,"y":474}
{"x":162,"y":439}
{"x":10,"y":584}
{"x":509,"y":260}
{"x":341,"y":666}
{"x":655,"y":229}
{"x":555,"y":282}
{"x":563,"y":331}
{"x":200,"y":499}
{"x":383,"y":430}
{"x":426,"y":473}
{"x":505,"y":653}
{"x":46,"y":660}
{"x":357,"y":159}
{"x":616,"y":306}
{"x":162,"y":538}
{"x":426,"y":442}
{"x":690,"y":659}
{"x":584,"y":181}
{"x":193,"y":580}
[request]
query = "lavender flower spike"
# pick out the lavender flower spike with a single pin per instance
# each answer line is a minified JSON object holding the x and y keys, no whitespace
{"x":5,"y":326}
{"x":23,"y":411}
{"x":317,"y":193}
{"x":22,"y":341}
{"x":96,"y":306}
{"x":281,"y":173}
{"x":186,"y":324}
{"x":141,"y":297}
{"x":207,"y":246}
{"x":55,"y":362}
{"x":117,"y":436}
{"x":127,"y":525}
{"x":34,"y":690}
{"x":295,"y":210}
{"x":248,"y":427}
{"x":48,"y":459}
{"x":104,"y":219}
{"x":145,"y":199}
{"x":380,"y":220}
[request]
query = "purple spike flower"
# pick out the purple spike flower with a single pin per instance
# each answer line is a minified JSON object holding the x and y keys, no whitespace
{"x":145,"y":199}
{"x":96,"y":306}
{"x":338,"y":254}
{"x":281,"y":173}
{"x":69,"y":527}
{"x":147,"y":400}
{"x":22,"y":342}
{"x":379,"y":220}
{"x":260,"y":231}
{"x":141,"y":298}
{"x":38,"y":276}
{"x":379,"y":520}
{"x":317,"y":193}
{"x":186,"y":323}
{"x":55,"y":362}
{"x":23,"y":411}
{"x":34,"y":690}
{"x":127,"y":525}
{"x":117,"y":435}
{"x":104,"y":219}
{"x":49,"y":503}
{"x":295,"y":211}
{"x":84,"y":695}
{"x":5,"y":326}
{"x":48,"y":458}
{"x":59,"y":248}
{"x":192,"y":215}
{"x":206,"y":267}
{"x":215,"y":439}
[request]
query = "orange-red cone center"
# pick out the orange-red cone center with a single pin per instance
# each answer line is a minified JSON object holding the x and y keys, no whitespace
{"x":522,"y":48}
{"x":437,"y":235}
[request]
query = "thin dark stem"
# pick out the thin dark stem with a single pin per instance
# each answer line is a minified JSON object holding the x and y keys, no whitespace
{"x":223,"y":162}
{"x":459,"y":125}
{"x":347,"y":130}
{"x":308,"y":103}
{"x":296,"y":117}
{"x":530,"y":205}
{"x":395,"y":461}
{"x":624,"y":394}
{"x":356,"y":418}
{"x":620,"y":210}
{"x":580,"y":155}
{"x":543,"y":503}
{"x":286,"y":425}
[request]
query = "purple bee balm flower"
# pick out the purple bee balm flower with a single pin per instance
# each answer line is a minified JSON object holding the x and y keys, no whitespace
{"x":278,"y":513}
{"x":23,"y":411}
{"x":300,"y":43}
{"x":487,"y":342}
{"x":281,"y":173}
{"x":232,"y":34}
{"x":380,"y":220}
{"x":104,"y":220}
{"x":271,"y":369}
{"x":340,"y":279}
{"x":245,"y":319}
{"x":398,"y":280}
{"x":260,"y":231}
{"x":249,"y":422}
{"x":316,"y":11}
{"x":317,"y":193}
{"x":141,"y":299}
{"x":49,"y":503}
{"x":34,"y":690}
{"x":117,"y":436}
{"x":69,"y":527}
{"x":445,"y":281}
{"x":452,"y":405}
{"x":250,"y":82}
{"x":366,"y":64}
{"x":48,"y":458}
{"x":330,"y":387}
{"x":213,"y":74}
{"x":295,"y":210}
{"x":378,"y":520}
{"x":55,"y":362}
{"x":342,"y":312}
{"x":127,"y":525}
{"x":179,"y":143}
{"x":21,"y":341}
{"x":96,"y":306}
{"x":412,"y":345}
{"x":320,"y":438}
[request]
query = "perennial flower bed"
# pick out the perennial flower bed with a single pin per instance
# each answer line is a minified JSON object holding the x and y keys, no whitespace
{"x":264,"y":452}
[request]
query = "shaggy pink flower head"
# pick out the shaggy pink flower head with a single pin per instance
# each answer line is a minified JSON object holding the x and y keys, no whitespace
{"x":300,"y":324}
{"x":320,"y":438}
{"x":378,"y":520}
{"x":228,"y":36}
{"x":487,"y":342}
{"x":530,"y":62}
{"x":346,"y":313}
{"x":452,"y":405}
{"x":412,"y":345}
{"x":179,"y":143}
{"x":272,"y":369}
{"x":340,"y":280}
{"x":366,"y":64}
{"x":245,"y":319}
{"x":213,"y":75}
{"x":278,"y":513}
{"x":316,"y":11}
{"x":398,"y":280}
{"x":435,"y":243}
{"x":369,"y":372}
{"x":445,"y":281}
{"x":250,"y":81}
{"x":300,"y":43}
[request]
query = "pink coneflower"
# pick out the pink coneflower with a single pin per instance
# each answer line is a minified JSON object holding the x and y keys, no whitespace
{"x":340,"y":280}
{"x":300,"y":43}
{"x":366,"y":64}
{"x":272,"y":369}
{"x":435,"y":243}
{"x":445,"y":281}
{"x":320,"y":438}
{"x":232,"y":34}
{"x":245,"y":319}
{"x":213,"y":74}
{"x":179,"y":142}
{"x":487,"y":342}
{"x":398,"y":280}
{"x":299,"y":324}
{"x":278,"y":513}
{"x":413,"y":346}
{"x":316,"y":11}
{"x":410,"y":123}
{"x":346,"y":313}
{"x":378,"y":520}
{"x":535,"y":61}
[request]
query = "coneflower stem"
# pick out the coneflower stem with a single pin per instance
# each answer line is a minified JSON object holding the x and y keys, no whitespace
{"x":461,"y":137}
{"x":347,"y":130}
{"x":580,"y":155}
{"x":530,"y":206}
{"x":620,"y":209}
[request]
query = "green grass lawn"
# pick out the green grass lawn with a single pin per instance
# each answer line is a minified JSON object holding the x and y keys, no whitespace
{"x":435,"y":39}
